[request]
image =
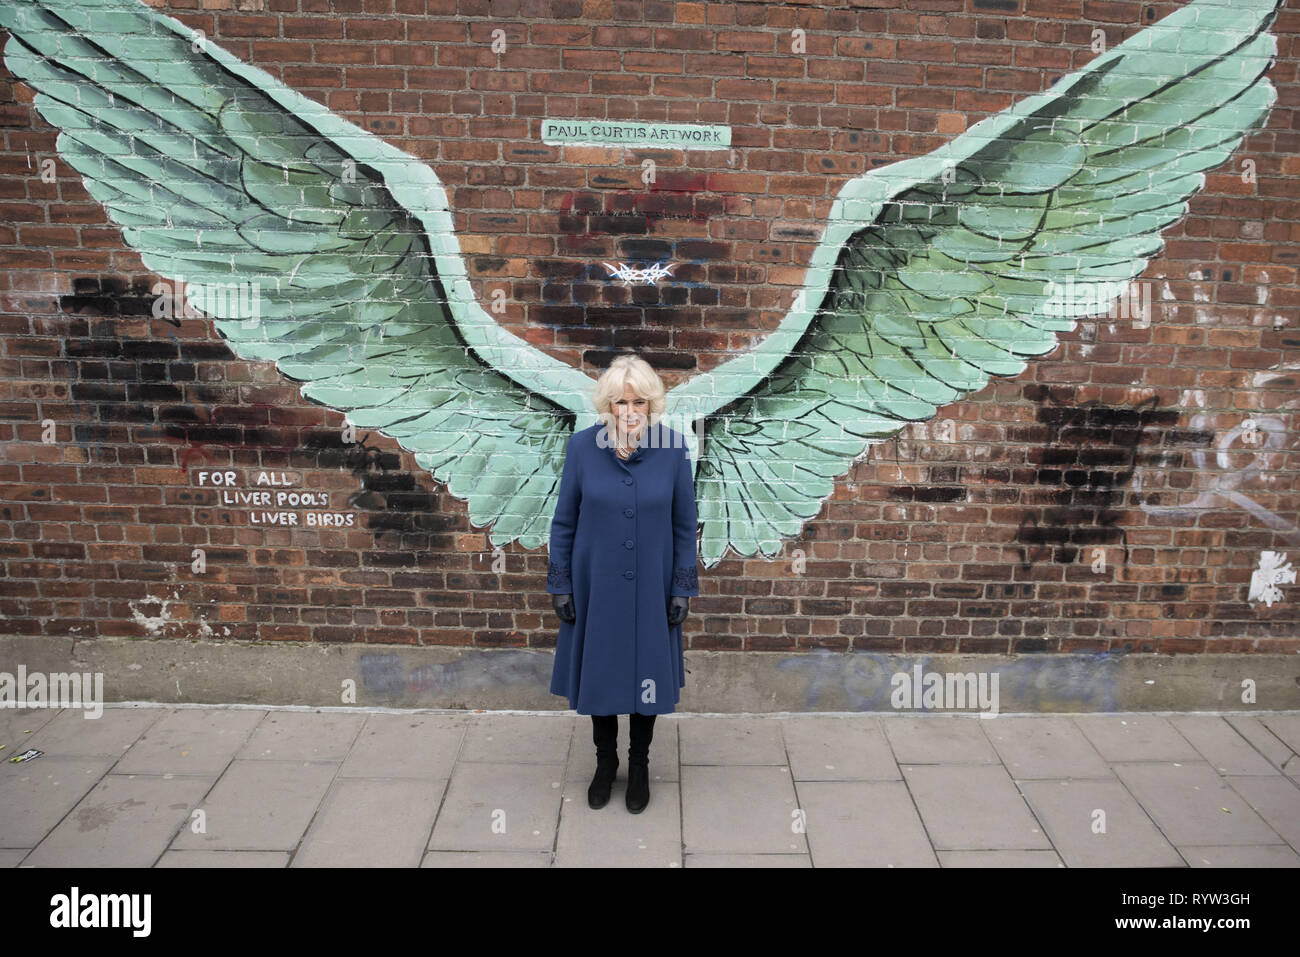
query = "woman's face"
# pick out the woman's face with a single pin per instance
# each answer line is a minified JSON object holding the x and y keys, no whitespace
{"x":632,"y":410}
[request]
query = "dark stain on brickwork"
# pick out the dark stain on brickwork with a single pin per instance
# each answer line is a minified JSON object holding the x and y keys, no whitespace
{"x":1086,"y":463}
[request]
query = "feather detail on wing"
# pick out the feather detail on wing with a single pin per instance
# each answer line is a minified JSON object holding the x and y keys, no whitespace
{"x":939,"y":272}
{"x":222,"y":177}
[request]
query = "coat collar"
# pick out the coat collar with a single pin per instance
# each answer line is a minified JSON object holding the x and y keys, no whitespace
{"x":607,"y":444}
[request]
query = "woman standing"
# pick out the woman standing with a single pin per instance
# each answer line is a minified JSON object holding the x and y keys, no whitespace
{"x":622,"y":566}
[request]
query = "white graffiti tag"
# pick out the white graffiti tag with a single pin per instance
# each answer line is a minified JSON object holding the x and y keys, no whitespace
{"x":632,"y":274}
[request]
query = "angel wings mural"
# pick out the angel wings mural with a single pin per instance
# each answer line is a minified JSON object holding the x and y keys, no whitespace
{"x":933,"y":274}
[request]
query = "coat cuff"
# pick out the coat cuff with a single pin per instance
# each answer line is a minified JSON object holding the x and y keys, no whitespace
{"x":559,"y":579}
{"x":686,"y":582}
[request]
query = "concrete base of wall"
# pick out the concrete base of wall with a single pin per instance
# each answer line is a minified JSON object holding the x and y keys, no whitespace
{"x":717,"y":682}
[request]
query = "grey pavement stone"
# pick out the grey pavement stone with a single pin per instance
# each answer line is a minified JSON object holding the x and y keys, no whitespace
{"x":999,"y":859}
{"x":732,"y":741}
{"x":838,"y":749}
{"x":499,"y":807}
{"x":1067,"y":812}
{"x":406,"y":746}
{"x":939,"y":739}
{"x":260,"y":805}
{"x":35,"y":795}
{"x":406,"y":788}
{"x":748,"y":860}
{"x":487,"y":859}
{"x":612,"y":837}
{"x":1251,"y":855}
{"x":303,"y":736}
{"x":369,"y":822}
{"x":1192,"y":805}
{"x":17,"y":725}
{"x":1286,"y":727}
{"x":124,"y":821}
{"x":739,"y":809}
{"x":224,"y":859}
{"x":863,"y":824}
{"x":1045,"y":748}
{"x":70,"y":734}
{"x":1135,"y":737}
{"x":518,"y":739}
{"x":1276,"y":800}
{"x":190,"y":741}
{"x":1219,"y":743}
{"x":972,"y":807}
{"x":1273,"y":748}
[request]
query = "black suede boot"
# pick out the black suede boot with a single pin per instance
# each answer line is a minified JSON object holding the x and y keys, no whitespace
{"x":604,"y":731}
{"x":641,"y":732}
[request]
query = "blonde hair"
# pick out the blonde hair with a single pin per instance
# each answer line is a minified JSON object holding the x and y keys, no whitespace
{"x":628,"y":370}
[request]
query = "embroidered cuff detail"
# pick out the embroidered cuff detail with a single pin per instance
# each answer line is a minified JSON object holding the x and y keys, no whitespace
{"x":559,"y":578}
{"x":686,"y":579}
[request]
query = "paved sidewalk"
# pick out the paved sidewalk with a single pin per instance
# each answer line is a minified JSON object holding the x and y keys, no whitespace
{"x":168,"y":786}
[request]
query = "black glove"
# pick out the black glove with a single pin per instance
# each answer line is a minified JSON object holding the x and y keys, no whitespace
{"x":563,"y":605}
{"x":678,"y":606}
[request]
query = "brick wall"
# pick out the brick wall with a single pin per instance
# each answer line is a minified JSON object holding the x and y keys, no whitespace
{"x":1116,"y":495}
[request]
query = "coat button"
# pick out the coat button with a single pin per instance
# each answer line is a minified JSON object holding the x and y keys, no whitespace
{"x":627,"y":481}
{"x":627,"y":512}
{"x":627,"y":574}
{"x":628,"y":543}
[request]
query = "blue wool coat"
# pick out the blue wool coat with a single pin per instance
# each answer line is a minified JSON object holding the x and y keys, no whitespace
{"x":622,"y":542}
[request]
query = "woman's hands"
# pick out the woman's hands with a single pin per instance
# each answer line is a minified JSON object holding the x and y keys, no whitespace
{"x":563,"y":605}
{"x":678,"y":606}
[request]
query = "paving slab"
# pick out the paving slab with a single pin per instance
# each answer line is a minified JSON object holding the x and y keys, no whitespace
{"x":124,"y":821}
{"x":611,"y":836}
{"x":406,"y":745}
{"x":36,"y":794}
{"x":1257,"y":855}
{"x":1222,"y":745}
{"x":734,"y":809}
{"x":518,"y":739}
{"x":838,"y":749}
{"x":863,"y":824}
{"x":69,"y":734}
{"x":190,"y":741}
{"x":748,"y":860}
{"x":973,"y":808}
{"x":1286,"y":727}
{"x":372,"y":822}
{"x":499,"y":807}
{"x":260,"y":804}
{"x":1269,"y":745}
{"x":1275,"y":799}
{"x":1000,"y":859}
{"x":935,"y":739}
{"x":1193,"y":805}
{"x":1052,"y":748}
{"x":487,"y":859}
{"x":303,"y":736}
{"x":1097,"y":823}
{"x":1135,"y":737}
{"x":731,"y":741}
{"x":224,"y":859}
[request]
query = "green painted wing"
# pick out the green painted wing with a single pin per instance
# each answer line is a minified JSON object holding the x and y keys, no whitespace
{"x":939,"y":272}
{"x":314,"y":244}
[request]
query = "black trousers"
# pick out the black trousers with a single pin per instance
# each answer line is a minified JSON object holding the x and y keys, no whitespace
{"x":604,"y":731}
